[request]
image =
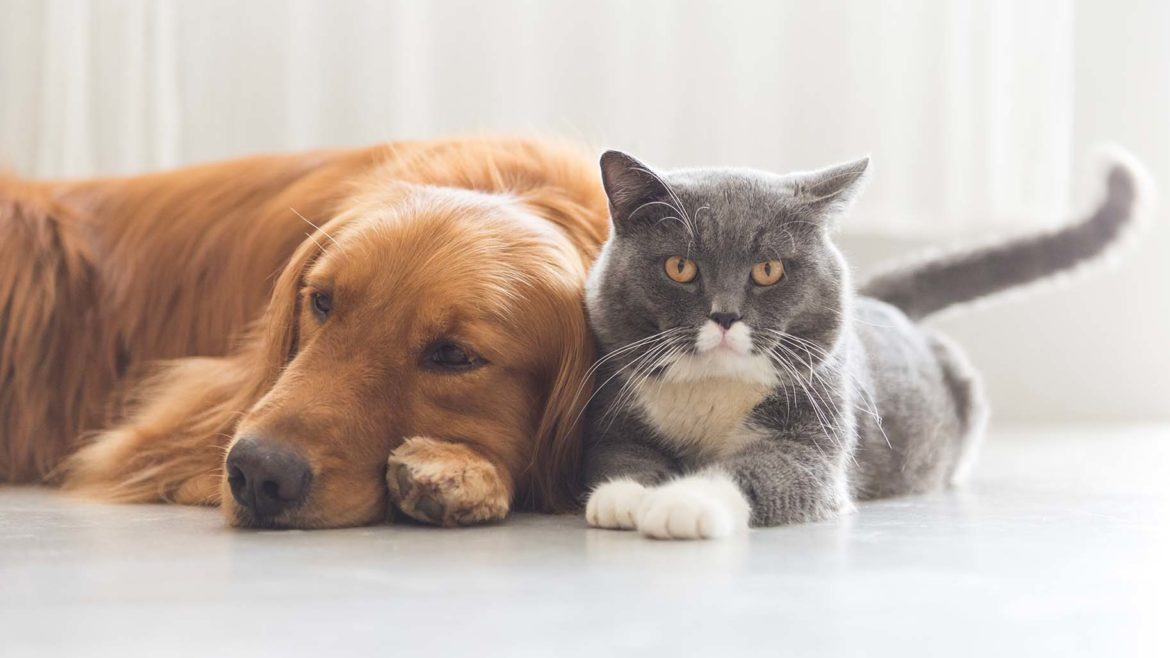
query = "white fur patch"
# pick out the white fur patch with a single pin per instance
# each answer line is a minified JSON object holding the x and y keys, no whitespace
{"x":613,"y":504}
{"x":707,"y":506}
{"x":726,"y":355}
{"x":700,"y":404}
{"x":703,"y":418}
{"x":754,"y":368}
{"x":737,"y":339}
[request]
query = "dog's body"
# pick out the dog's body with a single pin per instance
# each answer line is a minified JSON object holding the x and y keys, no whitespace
{"x":101,"y":278}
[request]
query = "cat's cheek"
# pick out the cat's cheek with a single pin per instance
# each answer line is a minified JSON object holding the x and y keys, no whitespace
{"x":613,"y":505}
{"x":708,"y":506}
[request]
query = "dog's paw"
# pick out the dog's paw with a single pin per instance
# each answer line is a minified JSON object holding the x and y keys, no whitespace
{"x":614,"y":504}
{"x":694,"y":507}
{"x":445,"y":483}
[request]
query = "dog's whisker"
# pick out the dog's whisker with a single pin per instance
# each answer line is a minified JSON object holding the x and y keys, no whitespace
{"x":318,"y":228}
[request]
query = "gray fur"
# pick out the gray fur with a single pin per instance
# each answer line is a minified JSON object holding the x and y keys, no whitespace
{"x":926,"y":287}
{"x":862,"y":403}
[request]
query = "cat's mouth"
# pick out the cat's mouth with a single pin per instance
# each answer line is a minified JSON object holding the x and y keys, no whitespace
{"x":713,"y":339}
{"x":721,"y":358}
{"x":719,"y":353}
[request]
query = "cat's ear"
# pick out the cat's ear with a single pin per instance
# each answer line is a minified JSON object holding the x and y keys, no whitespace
{"x":831,"y":190}
{"x":629,"y":184}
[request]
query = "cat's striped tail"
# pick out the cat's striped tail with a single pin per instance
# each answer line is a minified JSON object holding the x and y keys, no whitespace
{"x":929,"y":285}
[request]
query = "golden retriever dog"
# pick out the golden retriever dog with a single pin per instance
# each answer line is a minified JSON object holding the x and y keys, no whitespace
{"x":308,"y":340}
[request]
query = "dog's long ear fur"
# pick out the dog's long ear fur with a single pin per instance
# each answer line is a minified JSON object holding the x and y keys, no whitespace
{"x":171,"y":444}
{"x":55,"y":372}
{"x":555,"y":479}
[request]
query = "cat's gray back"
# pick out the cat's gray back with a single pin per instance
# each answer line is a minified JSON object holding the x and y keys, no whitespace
{"x":925,"y":410}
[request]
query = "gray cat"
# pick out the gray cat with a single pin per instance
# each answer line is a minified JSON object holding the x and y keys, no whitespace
{"x":743,"y":380}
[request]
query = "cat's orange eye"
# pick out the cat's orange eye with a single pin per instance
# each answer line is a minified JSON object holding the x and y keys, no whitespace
{"x":768,"y":272}
{"x":681,"y":270}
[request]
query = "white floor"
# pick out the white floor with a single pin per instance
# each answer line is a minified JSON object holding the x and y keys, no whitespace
{"x":1060,"y":546}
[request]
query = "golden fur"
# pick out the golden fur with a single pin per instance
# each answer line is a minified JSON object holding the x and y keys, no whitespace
{"x":209,"y":268}
{"x":447,"y":483}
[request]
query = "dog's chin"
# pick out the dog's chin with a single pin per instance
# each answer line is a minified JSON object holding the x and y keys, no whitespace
{"x":238,"y":516}
{"x":306,"y":516}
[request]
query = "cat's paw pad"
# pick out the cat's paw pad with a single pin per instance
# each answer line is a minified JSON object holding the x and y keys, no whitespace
{"x":693,"y":508}
{"x":613,"y":505}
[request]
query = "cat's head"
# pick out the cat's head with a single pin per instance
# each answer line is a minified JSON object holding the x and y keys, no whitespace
{"x":720,"y":272}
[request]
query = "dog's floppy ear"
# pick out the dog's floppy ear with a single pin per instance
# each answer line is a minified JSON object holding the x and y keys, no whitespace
{"x":275,"y":337}
{"x":171,"y":445}
{"x":556,"y":471}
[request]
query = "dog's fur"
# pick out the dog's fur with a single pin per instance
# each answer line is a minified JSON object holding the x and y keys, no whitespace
{"x":210,"y":269}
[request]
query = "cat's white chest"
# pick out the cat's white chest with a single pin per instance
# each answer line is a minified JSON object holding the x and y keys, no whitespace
{"x":705,"y":418}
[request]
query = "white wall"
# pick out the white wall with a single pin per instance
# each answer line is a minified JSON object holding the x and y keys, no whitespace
{"x":980,"y":115}
{"x":1096,"y":347}
{"x":982,"y":85}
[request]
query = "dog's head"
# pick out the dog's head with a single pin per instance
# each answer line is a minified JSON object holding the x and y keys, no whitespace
{"x":416,"y":311}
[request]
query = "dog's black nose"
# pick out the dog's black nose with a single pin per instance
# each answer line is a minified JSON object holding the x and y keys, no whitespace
{"x":266,"y":478}
{"x":725,"y":320}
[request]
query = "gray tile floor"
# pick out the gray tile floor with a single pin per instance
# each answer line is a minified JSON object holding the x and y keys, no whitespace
{"x":1060,"y":546}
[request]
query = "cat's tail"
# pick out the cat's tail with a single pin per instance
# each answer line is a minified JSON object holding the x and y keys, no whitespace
{"x":929,"y":285}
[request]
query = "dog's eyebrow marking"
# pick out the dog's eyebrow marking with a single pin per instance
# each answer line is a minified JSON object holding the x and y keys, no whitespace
{"x":306,"y":220}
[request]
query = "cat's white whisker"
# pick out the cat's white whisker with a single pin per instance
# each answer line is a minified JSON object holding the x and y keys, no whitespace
{"x":661,"y":336}
{"x":865,"y":402}
{"x":816,"y":411}
{"x":817,"y":396}
{"x":648,"y":363}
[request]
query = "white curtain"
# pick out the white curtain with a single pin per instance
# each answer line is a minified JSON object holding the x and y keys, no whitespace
{"x":967,"y":106}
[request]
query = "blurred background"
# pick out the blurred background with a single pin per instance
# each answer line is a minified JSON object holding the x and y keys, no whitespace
{"x":981,"y":117}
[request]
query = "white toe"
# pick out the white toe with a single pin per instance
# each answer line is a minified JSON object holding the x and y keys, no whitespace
{"x":696,"y":507}
{"x":613,"y":505}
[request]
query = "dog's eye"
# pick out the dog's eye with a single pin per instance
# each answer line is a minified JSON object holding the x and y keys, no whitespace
{"x":322,"y":304}
{"x":450,"y":355}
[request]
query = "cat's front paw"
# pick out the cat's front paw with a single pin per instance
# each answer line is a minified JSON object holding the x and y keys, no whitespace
{"x":614,"y":504}
{"x":695,"y":507}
